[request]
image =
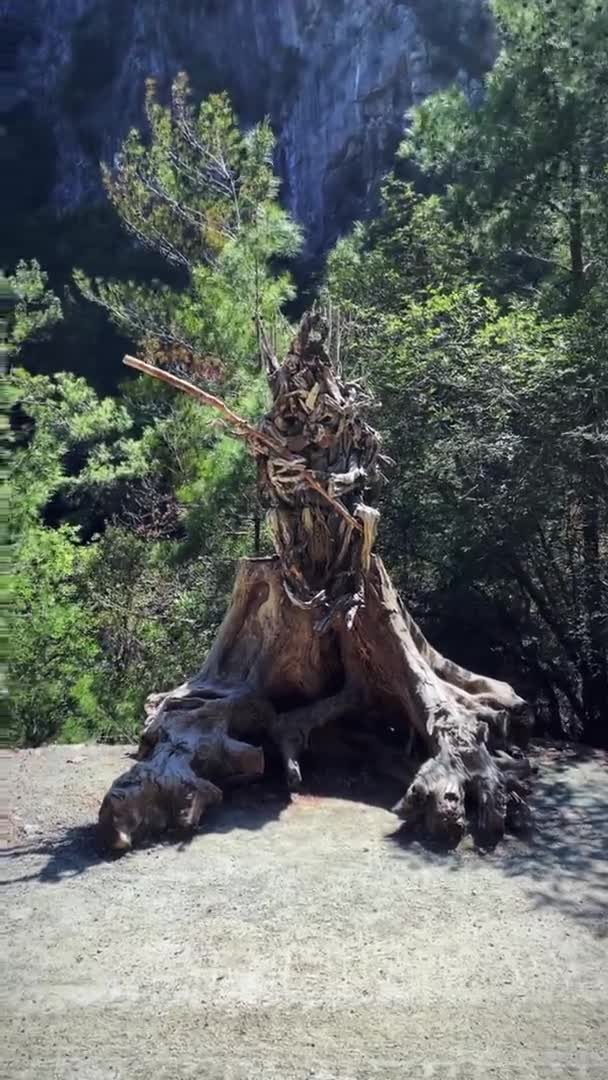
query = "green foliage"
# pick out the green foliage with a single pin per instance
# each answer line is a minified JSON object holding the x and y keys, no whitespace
{"x":138,"y":506}
{"x":479,"y":318}
{"x":204,"y":196}
{"x":69,"y":447}
{"x":408,"y":247}
{"x":155,"y":618}
{"x":73,"y":445}
{"x":499,"y":462}
{"x":526,"y":167}
{"x":53,"y":648}
{"x":36,"y":308}
{"x":97,"y":626}
{"x":478,"y":315}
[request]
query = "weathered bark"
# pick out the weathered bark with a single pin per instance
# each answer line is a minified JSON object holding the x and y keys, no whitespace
{"x":268,"y":674}
{"x":317,"y":637}
{"x":271,"y":674}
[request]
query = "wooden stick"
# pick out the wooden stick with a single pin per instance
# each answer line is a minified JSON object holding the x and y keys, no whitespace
{"x":204,"y":397}
{"x":239,"y":424}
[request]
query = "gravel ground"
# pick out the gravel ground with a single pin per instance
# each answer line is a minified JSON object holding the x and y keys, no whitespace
{"x":302,"y":941}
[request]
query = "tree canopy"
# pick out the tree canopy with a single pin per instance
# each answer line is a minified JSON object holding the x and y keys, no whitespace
{"x":205,"y":197}
{"x":473,"y":303}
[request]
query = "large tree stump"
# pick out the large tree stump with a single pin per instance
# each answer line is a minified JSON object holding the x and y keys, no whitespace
{"x":318,"y":636}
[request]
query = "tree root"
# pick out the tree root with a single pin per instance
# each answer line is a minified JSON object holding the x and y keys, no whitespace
{"x":317,"y":637}
{"x":271,"y":675}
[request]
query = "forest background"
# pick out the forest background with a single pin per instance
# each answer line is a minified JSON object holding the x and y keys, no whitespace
{"x":474,"y":304}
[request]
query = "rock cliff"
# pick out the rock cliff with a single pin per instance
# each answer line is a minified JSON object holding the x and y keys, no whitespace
{"x":337,"y":78}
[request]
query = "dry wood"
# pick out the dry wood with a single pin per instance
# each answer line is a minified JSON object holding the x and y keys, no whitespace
{"x":240,"y":427}
{"x":317,"y":638}
{"x":236,"y":422}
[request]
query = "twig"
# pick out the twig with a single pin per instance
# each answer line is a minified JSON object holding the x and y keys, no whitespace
{"x":241,"y":427}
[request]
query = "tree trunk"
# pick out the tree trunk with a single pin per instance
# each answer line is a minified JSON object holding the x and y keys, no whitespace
{"x":595,"y":675}
{"x":595,"y":671}
{"x":317,"y":638}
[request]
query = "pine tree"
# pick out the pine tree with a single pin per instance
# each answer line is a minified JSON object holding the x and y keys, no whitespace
{"x":204,"y":196}
{"x":525,"y":167}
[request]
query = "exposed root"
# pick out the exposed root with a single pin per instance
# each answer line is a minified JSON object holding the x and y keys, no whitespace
{"x":318,"y":636}
{"x":291,"y":731}
{"x":177,"y":779}
{"x":271,"y":675}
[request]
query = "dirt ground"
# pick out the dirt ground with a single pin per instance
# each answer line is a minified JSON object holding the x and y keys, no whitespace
{"x":301,"y":942}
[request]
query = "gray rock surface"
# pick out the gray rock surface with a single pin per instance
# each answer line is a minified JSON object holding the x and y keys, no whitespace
{"x":337,"y":78}
{"x":301,"y":942}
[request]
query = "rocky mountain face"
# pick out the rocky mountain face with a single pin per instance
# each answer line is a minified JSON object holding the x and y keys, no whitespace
{"x":337,"y":78}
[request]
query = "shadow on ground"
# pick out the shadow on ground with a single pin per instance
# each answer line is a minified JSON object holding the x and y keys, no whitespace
{"x":74,"y":850}
{"x":69,"y":853}
{"x":563,"y":863}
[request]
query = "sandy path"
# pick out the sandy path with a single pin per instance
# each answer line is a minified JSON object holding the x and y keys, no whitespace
{"x":302,"y":942}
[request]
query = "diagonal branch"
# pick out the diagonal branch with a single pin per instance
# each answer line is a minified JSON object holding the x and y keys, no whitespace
{"x":242,"y":429}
